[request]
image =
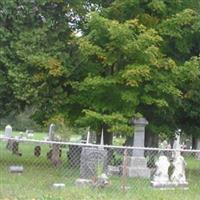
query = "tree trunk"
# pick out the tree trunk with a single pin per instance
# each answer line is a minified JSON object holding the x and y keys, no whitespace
{"x":194,"y":142}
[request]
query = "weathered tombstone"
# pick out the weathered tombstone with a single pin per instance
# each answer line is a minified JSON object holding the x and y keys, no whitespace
{"x":93,"y":164}
{"x":137,"y":164}
{"x":8,"y":131}
{"x":13,"y":146}
{"x":92,"y":160}
{"x":51,"y":132}
{"x":161,"y":177}
{"x":56,"y":154}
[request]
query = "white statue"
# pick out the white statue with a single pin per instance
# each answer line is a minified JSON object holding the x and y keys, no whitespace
{"x":161,"y":175}
{"x":178,"y":175}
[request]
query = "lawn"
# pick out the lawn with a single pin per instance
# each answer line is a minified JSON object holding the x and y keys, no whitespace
{"x":39,"y":175}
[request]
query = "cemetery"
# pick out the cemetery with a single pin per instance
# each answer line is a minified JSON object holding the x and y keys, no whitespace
{"x":43,"y":165}
{"x":100,"y":99}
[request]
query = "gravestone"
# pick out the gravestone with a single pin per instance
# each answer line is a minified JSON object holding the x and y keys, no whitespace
{"x":16,"y":169}
{"x":54,"y":154}
{"x":92,"y":160}
{"x":51,"y":133}
{"x":8,"y":131}
{"x":161,"y":177}
{"x":93,"y":164}
{"x":137,"y":164}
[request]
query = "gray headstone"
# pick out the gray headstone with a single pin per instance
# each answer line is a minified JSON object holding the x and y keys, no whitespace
{"x":8,"y":131}
{"x":92,"y":160}
{"x":137,"y":164}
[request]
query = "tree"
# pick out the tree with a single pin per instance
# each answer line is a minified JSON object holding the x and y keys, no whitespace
{"x":123,"y":71}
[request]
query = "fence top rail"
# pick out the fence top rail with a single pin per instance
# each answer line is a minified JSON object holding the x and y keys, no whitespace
{"x":33,"y":141}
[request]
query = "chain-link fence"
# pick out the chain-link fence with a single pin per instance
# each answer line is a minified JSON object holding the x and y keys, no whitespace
{"x":31,"y":169}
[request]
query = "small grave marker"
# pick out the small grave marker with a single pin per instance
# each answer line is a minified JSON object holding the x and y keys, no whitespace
{"x":16,"y":169}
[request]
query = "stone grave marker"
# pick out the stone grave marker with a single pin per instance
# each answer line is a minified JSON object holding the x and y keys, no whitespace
{"x":161,"y":177}
{"x":51,"y":133}
{"x":16,"y":169}
{"x":93,"y":164}
{"x":8,"y":131}
{"x":137,"y":164}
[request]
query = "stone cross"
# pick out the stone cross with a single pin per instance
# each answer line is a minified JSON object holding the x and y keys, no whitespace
{"x":139,"y":136}
{"x":51,"y":132}
{"x":8,"y":131}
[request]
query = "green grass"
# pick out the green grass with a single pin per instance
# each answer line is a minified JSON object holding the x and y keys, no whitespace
{"x":39,"y":175}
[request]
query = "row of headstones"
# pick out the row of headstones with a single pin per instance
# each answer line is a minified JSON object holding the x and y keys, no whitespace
{"x":29,"y":133}
{"x":54,"y":154}
{"x":94,"y":164}
{"x":136,"y":164}
{"x":161,"y":178}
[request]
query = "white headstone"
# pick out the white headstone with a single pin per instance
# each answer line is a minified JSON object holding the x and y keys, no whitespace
{"x":161,"y":176}
{"x":8,"y":131}
{"x":51,"y":132}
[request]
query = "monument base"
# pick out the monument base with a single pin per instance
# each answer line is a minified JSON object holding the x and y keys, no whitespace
{"x":168,"y":185}
{"x":80,"y":182}
{"x":137,"y":167}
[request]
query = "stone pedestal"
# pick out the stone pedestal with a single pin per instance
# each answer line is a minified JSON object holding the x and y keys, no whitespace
{"x":137,"y":164}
